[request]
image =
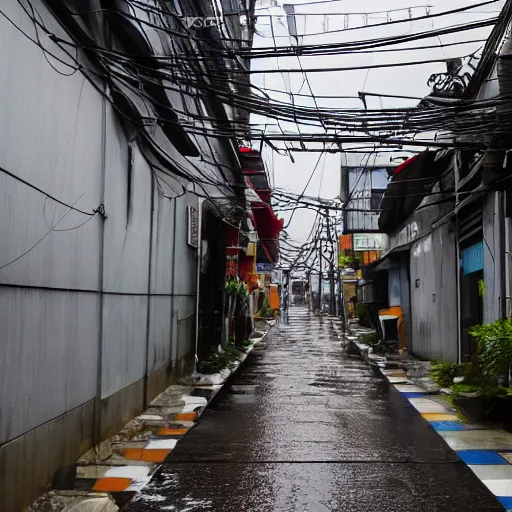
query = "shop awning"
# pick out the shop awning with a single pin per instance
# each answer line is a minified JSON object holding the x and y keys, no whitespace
{"x":409,"y":185}
{"x":268,"y":225}
{"x":387,"y":262}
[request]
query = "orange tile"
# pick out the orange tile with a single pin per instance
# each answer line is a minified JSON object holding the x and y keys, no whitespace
{"x":146,"y":455}
{"x":186,"y":416}
{"x":164,"y":431}
{"x":112,"y":484}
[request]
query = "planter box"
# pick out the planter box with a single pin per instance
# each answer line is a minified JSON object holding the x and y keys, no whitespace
{"x":477,"y":409}
{"x":502,"y":412}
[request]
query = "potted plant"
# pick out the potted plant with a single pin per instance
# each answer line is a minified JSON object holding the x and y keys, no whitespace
{"x":476,"y":401}
{"x":494,"y":343}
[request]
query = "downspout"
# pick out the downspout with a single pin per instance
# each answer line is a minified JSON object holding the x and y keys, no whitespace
{"x":198,"y":280}
{"x":101,"y":297}
{"x":503,"y":255}
{"x":150,"y":276}
{"x":457,"y":257}
{"x":173,"y":341}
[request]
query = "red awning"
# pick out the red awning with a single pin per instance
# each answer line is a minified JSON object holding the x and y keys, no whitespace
{"x":268,"y":225}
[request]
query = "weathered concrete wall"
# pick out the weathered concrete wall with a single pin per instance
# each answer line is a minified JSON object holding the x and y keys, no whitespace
{"x":491,"y":235}
{"x":434,"y":301}
{"x":89,"y":307}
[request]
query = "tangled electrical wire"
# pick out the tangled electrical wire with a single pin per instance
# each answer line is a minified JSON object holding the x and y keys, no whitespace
{"x":195,"y":86}
{"x":197,"y":69}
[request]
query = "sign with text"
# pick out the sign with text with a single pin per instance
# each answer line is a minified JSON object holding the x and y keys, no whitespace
{"x":368,"y":242}
{"x":231,"y":265}
{"x":193,"y":227}
{"x":264,"y":268}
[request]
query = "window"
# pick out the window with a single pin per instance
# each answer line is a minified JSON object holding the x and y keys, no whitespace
{"x":377,"y":195}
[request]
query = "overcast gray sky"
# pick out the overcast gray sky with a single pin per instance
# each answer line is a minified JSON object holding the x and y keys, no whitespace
{"x":340,"y":15}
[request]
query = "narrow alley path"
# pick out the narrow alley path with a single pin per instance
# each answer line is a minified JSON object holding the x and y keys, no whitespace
{"x":307,"y":427}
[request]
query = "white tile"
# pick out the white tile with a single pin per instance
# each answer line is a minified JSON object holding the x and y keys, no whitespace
{"x":492,"y":472}
{"x":161,"y":444}
{"x":499,"y":487}
{"x":409,"y":388}
{"x":477,"y":439}
{"x":398,"y":380}
{"x":425,"y":405}
{"x":198,"y":400}
{"x":127,"y":472}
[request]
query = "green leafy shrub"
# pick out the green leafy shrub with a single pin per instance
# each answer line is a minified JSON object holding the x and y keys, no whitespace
{"x":244,"y":345}
{"x":266,"y":311}
{"x":369,"y":338}
{"x":443,"y":373}
{"x":236,"y":288}
{"x":485,"y":390}
{"x":494,"y":347}
{"x":363,"y":314}
{"x":220,"y":360}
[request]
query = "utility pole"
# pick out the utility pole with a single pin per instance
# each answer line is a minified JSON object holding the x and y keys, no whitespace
{"x":319,"y":245}
{"x":331,"y":268}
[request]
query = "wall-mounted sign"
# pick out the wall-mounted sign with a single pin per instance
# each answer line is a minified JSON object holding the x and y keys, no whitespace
{"x":264,"y":268}
{"x":472,"y":259}
{"x":368,"y":242}
{"x":193,"y":227}
{"x":231,"y":265}
{"x":201,"y":21}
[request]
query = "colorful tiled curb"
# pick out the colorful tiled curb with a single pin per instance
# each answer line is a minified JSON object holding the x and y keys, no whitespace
{"x":487,"y":451}
{"x":122,"y":465}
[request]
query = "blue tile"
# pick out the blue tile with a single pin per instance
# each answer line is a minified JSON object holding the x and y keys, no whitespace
{"x":506,"y":501}
{"x":481,"y":457}
{"x":448,"y":425}
{"x":407,"y":394}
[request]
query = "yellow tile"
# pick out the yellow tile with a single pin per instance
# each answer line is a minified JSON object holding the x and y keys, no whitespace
{"x":435,"y":416}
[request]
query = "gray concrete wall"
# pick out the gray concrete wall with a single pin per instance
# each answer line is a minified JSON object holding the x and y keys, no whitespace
{"x":433,"y":303}
{"x":490,"y":221}
{"x":78,"y":294}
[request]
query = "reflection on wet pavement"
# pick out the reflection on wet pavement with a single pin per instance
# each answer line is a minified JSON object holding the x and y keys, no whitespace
{"x":305,"y":426}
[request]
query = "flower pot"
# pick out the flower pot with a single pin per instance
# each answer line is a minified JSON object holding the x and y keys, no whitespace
{"x":502,"y":411}
{"x":475,"y":408}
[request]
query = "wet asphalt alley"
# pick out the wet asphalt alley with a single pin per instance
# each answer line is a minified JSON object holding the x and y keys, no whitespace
{"x":305,"y":426}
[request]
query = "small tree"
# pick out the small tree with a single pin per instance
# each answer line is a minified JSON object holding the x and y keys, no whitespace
{"x":494,"y":348}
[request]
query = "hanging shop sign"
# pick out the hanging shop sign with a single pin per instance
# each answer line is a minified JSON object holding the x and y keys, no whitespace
{"x":193,"y":227}
{"x":264,"y":268}
{"x":231,"y":265}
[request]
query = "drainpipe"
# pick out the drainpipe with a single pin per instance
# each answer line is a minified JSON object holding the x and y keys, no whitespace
{"x":503,"y":255}
{"x":148,"y":312}
{"x":198,"y":283}
{"x":457,"y":259}
{"x":101,"y":276}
